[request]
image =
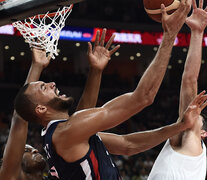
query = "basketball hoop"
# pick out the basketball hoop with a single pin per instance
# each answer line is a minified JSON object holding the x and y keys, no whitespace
{"x":43,"y":31}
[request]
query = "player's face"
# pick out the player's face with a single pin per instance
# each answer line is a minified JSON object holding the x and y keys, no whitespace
{"x":32,"y":161}
{"x":45,"y":91}
{"x":48,"y":94}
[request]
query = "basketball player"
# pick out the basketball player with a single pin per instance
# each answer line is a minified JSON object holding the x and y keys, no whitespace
{"x":22,"y":161}
{"x":76,"y":149}
{"x":184,"y":155}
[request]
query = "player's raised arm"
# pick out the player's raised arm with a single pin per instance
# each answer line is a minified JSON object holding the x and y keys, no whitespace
{"x":39,"y":61}
{"x":197,"y":22}
{"x":98,"y":58}
{"x":152,"y":78}
{"x":121,"y":108}
{"x":125,"y":106}
{"x":134,"y":143}
{"x":12,"y":158}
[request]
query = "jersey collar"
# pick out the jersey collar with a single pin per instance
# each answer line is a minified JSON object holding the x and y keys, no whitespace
{"x":44,"y":130}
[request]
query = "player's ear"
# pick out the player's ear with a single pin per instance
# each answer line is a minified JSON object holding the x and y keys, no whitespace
{"x":203,"y":134}
{"x":40,"y":109}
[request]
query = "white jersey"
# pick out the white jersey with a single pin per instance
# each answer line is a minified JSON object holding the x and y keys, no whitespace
{"x":171,"y":165}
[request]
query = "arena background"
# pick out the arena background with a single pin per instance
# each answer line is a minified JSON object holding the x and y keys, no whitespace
{"x":69,"y":70}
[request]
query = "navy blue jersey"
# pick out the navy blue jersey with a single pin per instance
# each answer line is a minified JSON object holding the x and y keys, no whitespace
{"x":97,"y":164}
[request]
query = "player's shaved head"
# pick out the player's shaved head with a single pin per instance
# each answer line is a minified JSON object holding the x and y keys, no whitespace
{"x":24,"y":105}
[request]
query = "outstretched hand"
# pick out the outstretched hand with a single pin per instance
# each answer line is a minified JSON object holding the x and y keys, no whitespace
{"x":198,"y":19}
{"x":99,"y":55}
{"x":40,"y":58}
{"x":173,"y":23}
{"x":194,"y":109}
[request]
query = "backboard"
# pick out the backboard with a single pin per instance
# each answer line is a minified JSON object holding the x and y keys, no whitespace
{"x":13,"y":10}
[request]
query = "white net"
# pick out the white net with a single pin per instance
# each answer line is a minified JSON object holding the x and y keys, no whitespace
{"x":43,"y":31}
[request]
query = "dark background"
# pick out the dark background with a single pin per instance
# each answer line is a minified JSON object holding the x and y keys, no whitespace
{"x":120,"y":76}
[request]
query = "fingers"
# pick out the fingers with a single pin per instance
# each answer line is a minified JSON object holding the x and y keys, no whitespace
{"x":101,"y":43}
{"x":188,"y":3}
{"x":175,"y":21}
{"x":110,"y":41}
{"x":49,"y":58}
{"x":182,"y":4}
{"x":202,"y":100}
{"x":197,"y":98}
{"x":97,"y":38}
{"x":164,"y":15}
{"x":194,"y":4}
{"x":103,"y":37}
{"x":184,"y":8}
{"x":201,"y":4}
{"x":203,"y":105}
{"x":114,"y":50}
{"x":163,"y":11}
{"x":201,"y":93}
{"x":89,"y":48}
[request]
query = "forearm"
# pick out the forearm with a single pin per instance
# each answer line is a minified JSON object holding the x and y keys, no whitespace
{"x":34,"y":73}
{"x":14,"y":149}
{"x":153,"y":76}
{"x":193,"y":60}
{"x":191,"y":71}
{"x":142,"y":141}
{"x":91,"y":90}
{"x":129,"y":104}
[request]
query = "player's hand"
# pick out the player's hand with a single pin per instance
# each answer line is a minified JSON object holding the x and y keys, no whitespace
{"x":99,"y":55}
{"x":173,"y":23}
{"x":192,"y":113}
{"x":40,"y":58}
{"x":198,"y":19}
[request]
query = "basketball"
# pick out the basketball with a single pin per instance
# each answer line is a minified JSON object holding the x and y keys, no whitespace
{"x":153,"y":8}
